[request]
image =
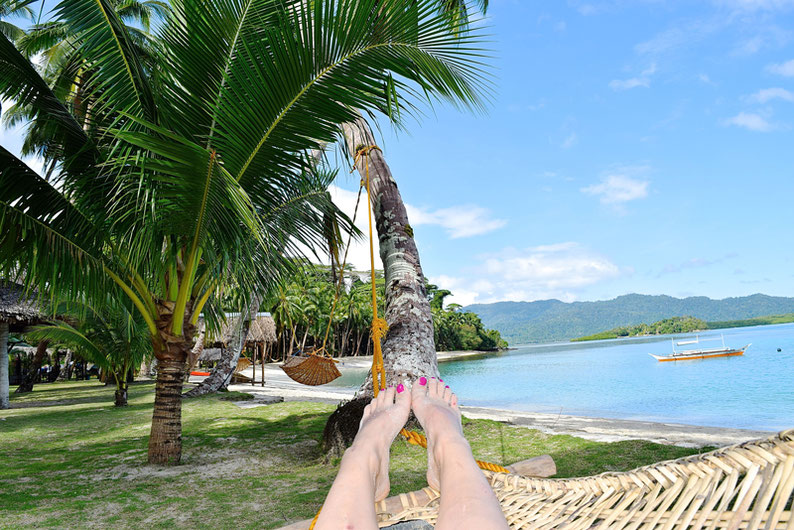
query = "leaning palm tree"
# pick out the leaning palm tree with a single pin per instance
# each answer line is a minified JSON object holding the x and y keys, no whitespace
{"x":194,"y":171}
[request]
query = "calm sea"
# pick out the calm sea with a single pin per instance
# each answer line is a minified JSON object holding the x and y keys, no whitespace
{"x":618,"y":379}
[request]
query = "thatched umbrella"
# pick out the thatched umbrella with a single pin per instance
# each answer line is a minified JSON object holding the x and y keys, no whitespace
{"x":18,"y":310}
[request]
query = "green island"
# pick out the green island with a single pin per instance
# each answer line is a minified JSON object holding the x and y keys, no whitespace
{"x":80,"y":462}
{"x":687,"y":324}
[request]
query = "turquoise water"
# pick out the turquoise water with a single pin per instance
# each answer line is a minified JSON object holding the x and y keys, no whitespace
{"x":618,"y":379}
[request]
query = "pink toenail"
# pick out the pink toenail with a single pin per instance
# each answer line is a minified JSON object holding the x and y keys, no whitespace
{"x":440,"y":380}
{"x":446,"y":386}
{"x":423,"y":381}
{"x":400,"y":388}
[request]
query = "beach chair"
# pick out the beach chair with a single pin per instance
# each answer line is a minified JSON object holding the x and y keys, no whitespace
{"x":748,"y":485}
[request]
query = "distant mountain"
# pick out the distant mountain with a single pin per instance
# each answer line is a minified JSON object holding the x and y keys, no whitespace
{"x":550,"y":320}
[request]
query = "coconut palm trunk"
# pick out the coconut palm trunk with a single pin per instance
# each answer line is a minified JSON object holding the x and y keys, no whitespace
{"x":30,"y":377}
{"x":4,"y":399}
{"x":66,"y":370}
{"x":408,"y":348}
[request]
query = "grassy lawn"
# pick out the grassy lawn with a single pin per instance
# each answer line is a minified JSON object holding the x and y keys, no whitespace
{"x":68,"y":458}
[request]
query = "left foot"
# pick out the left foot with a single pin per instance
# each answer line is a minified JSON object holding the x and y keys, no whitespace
{"x":382,"y":420}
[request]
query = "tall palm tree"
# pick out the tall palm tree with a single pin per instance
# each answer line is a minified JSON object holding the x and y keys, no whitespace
{"x":194,"y":170}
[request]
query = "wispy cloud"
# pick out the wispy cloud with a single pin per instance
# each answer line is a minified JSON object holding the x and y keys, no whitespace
{"x":750,"y":121}
{"x":570,"y":141}
{"x":618,"y":188}
{"x":756,"y":5}
{"x":643,"y":80}
{"x":560,"y":270}
{"x":785,"y":69}
{"x":695,"y":263}
{"x":769,"y":94}
{"x":458,"y":221}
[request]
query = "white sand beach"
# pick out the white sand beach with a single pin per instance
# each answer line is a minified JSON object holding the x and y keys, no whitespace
{"x":278,"y":385}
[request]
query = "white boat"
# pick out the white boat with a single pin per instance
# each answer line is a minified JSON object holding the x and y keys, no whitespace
{"x":699,"y":353}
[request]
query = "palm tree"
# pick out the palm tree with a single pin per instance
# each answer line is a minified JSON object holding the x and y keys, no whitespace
{"x":194,"y":170}
{"x":112,"y":336}
{"x":14,"y":8}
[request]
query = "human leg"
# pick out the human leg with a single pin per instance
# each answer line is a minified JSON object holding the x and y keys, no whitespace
{"x":363,"y":477}
{"x":467,"y":500}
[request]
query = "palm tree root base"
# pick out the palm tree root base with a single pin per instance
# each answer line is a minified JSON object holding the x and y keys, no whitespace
{"x":342,"y":426}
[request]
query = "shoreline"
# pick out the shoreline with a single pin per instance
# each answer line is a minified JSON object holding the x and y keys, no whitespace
{"x":279,"y":385}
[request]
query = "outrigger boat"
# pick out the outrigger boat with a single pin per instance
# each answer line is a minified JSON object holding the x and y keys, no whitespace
{"x":706,"y":353}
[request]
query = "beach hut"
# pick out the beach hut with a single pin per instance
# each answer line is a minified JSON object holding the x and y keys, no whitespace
{"x":261,"y":334}
{"x":18,"y":310}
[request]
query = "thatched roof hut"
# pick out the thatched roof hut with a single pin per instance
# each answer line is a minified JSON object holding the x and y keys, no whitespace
{"x":17,"y":308}
{"x":262,"y":330}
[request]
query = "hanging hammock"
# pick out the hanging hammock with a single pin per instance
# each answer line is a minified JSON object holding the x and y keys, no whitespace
{"x":310,"y":368}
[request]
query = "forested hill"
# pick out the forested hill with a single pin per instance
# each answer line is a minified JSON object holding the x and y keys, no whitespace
{"x":549,"y":320}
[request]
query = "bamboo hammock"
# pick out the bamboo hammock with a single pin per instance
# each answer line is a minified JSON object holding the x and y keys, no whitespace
{"x":747,"y":485}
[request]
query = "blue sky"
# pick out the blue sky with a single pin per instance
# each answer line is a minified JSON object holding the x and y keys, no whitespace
{"x":631,"y":146}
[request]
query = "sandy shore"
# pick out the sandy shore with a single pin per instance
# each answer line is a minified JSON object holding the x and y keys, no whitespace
{"x":277,"y":384}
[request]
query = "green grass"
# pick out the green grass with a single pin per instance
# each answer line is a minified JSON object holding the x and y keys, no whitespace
{"x":68,"y":458}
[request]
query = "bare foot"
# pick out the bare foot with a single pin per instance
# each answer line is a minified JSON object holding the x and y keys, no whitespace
{"x":382,"y":420}
{"x":436,"y":408}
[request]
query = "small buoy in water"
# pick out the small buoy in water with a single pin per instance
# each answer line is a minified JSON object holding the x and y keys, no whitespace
{"x":779,"y":349}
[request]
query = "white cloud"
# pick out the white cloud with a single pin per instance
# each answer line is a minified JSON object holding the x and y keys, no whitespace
{"x":750,"y":121}
{"x":785,"y":69}
{"x":570,"y":141}
{"x":618,"y":188}
{"x":768,"y":94}
{"x":458,"y":221}
{"x":756,"y":5}
{"x":560,"y":270}
{"x":643,"y":80}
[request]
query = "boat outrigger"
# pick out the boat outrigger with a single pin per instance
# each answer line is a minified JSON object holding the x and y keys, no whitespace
{"x":706,"y":353}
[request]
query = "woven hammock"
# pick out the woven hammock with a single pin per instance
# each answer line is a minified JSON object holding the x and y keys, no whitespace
{"x":311,"y":369}
{"x":748,"y":485}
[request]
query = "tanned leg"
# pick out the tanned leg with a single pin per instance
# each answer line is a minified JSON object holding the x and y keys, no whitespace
{"x":363,"y":477}
{"x":467,"y":500}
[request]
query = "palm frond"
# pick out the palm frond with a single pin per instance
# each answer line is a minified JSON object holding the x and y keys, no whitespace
{"x":42,"y":231}
{"x":105,"y":45}
{"x":21,"y":82}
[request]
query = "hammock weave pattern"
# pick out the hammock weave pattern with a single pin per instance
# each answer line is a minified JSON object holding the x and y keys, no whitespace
{"x":312,"y":370}
{"x":747,"y":485}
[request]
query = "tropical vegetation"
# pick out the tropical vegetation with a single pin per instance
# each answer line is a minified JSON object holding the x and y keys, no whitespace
{"x":663,"y":327}
{"x":113,"y":337}
{"x":178,"y":160}
{"x":301,"y":306}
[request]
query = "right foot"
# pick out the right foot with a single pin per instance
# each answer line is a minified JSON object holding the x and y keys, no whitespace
{"x":436,"y":408}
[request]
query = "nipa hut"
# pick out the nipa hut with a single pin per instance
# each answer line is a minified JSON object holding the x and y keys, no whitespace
{"x":17,"y":311}
{"x":261,"y":333}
